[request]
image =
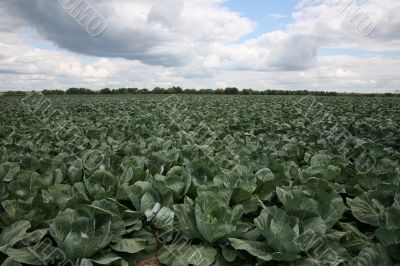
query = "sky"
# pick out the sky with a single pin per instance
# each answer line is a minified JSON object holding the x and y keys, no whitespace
{"x":331,"y":45}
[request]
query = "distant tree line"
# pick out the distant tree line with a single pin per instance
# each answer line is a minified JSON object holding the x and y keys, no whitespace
{"x":14,"y":93}
{"x":179,"y":90}
{"x":227,"y":91}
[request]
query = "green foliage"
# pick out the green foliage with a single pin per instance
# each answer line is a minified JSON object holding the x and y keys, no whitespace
{"x":200,"y":180}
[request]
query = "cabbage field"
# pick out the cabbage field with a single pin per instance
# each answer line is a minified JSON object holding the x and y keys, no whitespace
{"x":199,"y":180}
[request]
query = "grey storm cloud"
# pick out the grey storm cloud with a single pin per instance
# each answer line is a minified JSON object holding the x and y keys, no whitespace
{"x":158,"y":35}
{"x":53,"y":22}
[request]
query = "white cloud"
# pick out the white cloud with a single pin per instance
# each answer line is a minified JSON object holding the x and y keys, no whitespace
{"x":342,"y":23}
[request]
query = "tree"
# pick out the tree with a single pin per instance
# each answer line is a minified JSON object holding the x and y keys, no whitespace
{"x":79,"y":91}
{"x":105,"y":91}
{"x":53,"y":92}
{"x":158,"y":90}
{"x":247,"y":91}
{"x":231,"y":90}
{"x":174,"y":90}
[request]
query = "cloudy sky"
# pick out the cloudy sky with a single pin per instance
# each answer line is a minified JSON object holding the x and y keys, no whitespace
{"x":342,"y":45}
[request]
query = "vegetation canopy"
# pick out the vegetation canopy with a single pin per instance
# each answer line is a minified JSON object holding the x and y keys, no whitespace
{"x":199,"y":180}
